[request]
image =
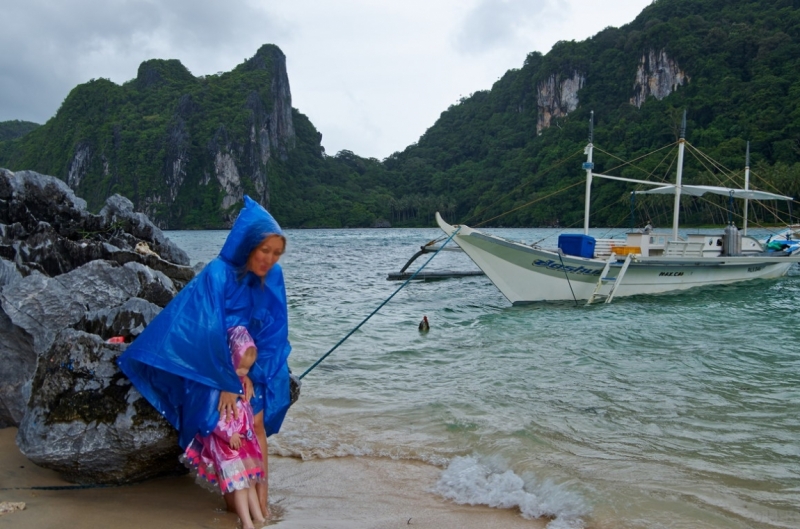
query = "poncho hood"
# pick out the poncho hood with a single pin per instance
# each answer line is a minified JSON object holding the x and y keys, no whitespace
{"x":251,"y":227}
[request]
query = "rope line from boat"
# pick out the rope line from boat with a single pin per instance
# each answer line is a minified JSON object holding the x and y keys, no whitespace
{"x":631,"y":162}
{"x":731,"y":177}
{"x":564,"y":268}
{"x":401,"y":287}
{"x":551,"y":168}
{"x":579,"y":221}
{"x":713,"y":168}
{"x":69,"y":487}
{"x":703,"y":159}
{"x":539,"y":199}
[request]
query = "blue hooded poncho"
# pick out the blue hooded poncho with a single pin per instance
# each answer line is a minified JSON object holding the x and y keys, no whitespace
{"x":181,"y":361}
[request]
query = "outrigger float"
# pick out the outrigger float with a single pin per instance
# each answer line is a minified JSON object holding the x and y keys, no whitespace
{"x":431,"y":247}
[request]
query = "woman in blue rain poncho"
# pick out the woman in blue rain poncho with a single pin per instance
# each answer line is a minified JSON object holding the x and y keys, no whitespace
{"x":181,"y":363}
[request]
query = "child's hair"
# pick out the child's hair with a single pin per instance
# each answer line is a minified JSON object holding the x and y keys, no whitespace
{"x":239,"y":340}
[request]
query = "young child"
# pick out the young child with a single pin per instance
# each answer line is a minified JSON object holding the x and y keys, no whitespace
{"x":230,"y":457}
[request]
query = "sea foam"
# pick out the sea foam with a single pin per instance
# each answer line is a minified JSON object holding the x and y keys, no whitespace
{"x":488,"y":481}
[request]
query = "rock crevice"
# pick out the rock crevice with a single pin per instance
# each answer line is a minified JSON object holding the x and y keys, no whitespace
{"x":556,"y":97}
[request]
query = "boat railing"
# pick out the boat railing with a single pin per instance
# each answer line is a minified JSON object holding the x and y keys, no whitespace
{"x":751,"y":245}
{"x":684,"y":249}
{"x":603,"y":247}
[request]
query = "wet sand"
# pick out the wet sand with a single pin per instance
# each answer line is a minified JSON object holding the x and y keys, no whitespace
{"x":326,"y":493}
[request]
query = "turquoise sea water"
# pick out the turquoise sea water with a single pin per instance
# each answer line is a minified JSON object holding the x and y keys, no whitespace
{"x":678,"y":410}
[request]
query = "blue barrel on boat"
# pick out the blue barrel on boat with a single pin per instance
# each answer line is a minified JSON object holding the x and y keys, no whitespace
{"x":577,"y":244}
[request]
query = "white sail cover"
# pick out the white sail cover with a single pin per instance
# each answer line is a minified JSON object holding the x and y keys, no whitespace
{"x":750,"y":194}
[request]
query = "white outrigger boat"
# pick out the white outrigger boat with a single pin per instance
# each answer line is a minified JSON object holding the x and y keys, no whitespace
{"x":585,"y":268}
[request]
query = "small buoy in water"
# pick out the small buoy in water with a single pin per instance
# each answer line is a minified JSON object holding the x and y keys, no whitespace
{"x":423,"y":325}
{"x":116,"y":339}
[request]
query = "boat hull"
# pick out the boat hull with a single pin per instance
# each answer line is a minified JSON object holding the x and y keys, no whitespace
{"x":527,"y":274}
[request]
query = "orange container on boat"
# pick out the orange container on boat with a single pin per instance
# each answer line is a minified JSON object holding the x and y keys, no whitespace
{"x":625,"y":250}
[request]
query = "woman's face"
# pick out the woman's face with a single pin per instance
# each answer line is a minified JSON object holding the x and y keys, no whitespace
{"x":265,"y":255}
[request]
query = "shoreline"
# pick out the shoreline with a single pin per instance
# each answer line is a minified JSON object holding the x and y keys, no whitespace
{"x":350,"y":492}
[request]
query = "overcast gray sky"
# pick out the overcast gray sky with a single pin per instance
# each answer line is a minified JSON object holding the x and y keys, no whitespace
{"x":372,"y":75}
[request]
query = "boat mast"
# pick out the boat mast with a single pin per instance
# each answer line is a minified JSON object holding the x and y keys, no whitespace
{"x":678,"y":179}
{"x":588,"y":166}
{"x":746,"y":184}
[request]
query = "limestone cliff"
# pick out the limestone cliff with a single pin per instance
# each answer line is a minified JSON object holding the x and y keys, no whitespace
{"x":557,"y":97}
{"x":657,"y":75}
{"x":237,"y":155}
{"x":184,"y":149}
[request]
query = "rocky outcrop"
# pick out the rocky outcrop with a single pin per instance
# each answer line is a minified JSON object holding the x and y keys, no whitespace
{"x":177,"y":157}
{"x":228,"y":178}
{"x":69,"y":281}
{"x":557,"y":97}
{"x":658,"y":76}
{"x":18,"y":359}
{"x":79,"y":165}
{"x":270,"y":134}
{"x":156,"y":140}
{"x":239,"y":161}
{"x":84,"y":418}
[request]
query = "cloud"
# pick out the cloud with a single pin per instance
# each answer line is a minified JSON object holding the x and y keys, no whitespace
{"x":494,"y":24}
{"x":49,"y":47}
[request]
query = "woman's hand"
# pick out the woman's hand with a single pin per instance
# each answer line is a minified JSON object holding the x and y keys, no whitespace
{"x":248,"y":388}
{"x":236,"y":441}
{"x":227,"y":406}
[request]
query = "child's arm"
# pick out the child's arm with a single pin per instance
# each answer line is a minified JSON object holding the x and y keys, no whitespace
{"x":247,"y":385}
{"x":236,"y":441}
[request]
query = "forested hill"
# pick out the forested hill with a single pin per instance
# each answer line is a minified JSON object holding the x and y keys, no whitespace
{"x":733,"y":65}
{"x":10,"y":130}
{"x":186,"y":148}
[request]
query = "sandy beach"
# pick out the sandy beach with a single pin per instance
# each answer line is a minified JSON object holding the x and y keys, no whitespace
{"x":327,"y":493}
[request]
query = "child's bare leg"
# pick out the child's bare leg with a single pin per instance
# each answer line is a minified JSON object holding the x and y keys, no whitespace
{"x":242,"y":509}
{"x":255,"y":507}
{"x":230,"y":506}
{"x":262,"y":488}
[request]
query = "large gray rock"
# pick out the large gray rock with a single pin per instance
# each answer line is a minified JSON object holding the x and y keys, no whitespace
{"x":127,"y":320}
{"x":69,"y":281}
{"x":88,"y":422}
{"x":44,"y":306}
{"x":16,"y":371}
{"x":18,"y":359}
